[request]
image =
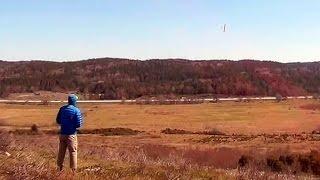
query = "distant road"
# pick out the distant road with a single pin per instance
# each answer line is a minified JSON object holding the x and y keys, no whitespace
{"x":156,"y":100}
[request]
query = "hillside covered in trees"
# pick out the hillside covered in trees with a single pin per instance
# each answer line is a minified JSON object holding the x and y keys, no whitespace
{"x":124,"y":78}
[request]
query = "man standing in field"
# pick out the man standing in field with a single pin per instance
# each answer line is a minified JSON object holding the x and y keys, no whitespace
{"x":69,"y":118}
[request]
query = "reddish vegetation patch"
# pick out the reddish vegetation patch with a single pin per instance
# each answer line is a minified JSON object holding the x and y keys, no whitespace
{"x":211,"y":132}
{"x":175,"y":131}
{"x":159,"y":112}
{"x":5,"y":141}
{"x":287,"y":163}
{"x":154,"y":151}
{"x":216,"y":157}
{"x":219,"y":157}
{"x":110,"y":131}
{"x":181,"y":131}
{"x":266,"y":138}
{"x":311,"y":106}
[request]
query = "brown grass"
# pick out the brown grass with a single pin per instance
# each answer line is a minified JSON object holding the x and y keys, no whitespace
{"x":229,"y":117}
{"x":313,"y":106}
{"x":198,"y":141}
{"x":263,"y":138}
{"x":34,"y":160}
{"x":5,"y":141}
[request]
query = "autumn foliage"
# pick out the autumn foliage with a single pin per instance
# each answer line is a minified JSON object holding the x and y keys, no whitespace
{"x":124,"y":78}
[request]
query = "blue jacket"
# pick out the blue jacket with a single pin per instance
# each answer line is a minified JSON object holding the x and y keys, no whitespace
{"x":69,"y":117}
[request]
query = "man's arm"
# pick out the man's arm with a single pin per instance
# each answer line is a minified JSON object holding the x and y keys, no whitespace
{"x":78,"y":118}
{"x":58,"y":120}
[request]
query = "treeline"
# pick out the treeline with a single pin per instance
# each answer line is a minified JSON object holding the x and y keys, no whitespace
{"x":129,"y":79}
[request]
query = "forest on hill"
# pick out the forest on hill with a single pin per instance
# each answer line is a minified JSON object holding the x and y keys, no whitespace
{"x":130,"y":79}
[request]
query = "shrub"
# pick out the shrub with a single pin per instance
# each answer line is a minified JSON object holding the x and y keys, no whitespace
{"x":244,"y":161}
{"x":304,"y":162}
{"x":110,"y":131}
{"x":181,"y":131}
{"x":286,"y":163}
{"x":212,"y":132}
{"x":274,"y":164}
{"x":175,"y":131}
{"x":34,"y":128}
{"x":287,"y":160}
{"x":290,"y":159}
{"x":315,"y":167}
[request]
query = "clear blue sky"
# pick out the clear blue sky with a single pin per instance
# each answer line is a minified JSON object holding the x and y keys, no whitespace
{"x":281,"y":30}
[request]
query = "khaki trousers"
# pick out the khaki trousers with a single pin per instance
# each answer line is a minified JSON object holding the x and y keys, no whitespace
{"x":68,"y":142}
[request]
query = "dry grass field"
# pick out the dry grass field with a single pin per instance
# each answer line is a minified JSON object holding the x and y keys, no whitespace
{"x":231,"y":117}
{"x":228,"y":140}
